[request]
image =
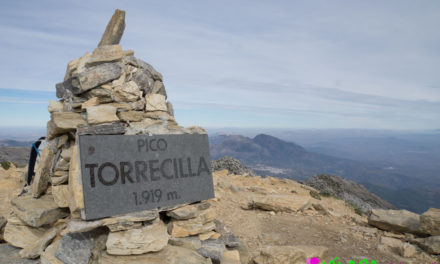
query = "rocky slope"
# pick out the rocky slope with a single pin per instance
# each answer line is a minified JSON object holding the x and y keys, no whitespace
{"x":280,"y":221}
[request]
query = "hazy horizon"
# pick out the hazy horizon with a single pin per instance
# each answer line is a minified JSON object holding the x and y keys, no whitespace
{"x":258,"y":64}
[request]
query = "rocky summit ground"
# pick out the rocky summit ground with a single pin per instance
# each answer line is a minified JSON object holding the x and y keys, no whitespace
{"x":280,"y":217}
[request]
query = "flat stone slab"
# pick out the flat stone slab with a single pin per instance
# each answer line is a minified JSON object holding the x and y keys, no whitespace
{"x":123,"y":174}
{"x":9,"y":254}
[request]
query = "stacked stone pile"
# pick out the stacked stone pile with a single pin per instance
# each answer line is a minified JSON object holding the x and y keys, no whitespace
{"x":109,"y":92}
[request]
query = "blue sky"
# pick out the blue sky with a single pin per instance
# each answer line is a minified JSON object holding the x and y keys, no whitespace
{"x":273,"y":64}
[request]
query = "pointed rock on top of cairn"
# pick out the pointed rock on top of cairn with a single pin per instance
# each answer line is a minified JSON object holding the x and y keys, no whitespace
{"x":114,"y":30}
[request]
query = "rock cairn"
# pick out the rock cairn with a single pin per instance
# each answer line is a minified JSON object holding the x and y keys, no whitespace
{"x":108,"y":92}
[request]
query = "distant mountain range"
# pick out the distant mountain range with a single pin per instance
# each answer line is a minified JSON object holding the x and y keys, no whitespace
{"x":268,"y":155}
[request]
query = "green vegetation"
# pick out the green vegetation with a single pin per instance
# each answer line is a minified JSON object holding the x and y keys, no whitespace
{"x":5,"y":165}
{"x":325,"y":194}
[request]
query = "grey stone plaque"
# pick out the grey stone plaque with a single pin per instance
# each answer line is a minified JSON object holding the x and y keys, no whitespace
{"x":123,"y":174}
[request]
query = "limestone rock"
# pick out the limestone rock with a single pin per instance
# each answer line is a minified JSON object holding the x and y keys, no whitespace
{"x":395,"y":220}
{"x":230,"y":257}
{"x":37,"y":212}
{"x":188,"y":211}
{"x":94,"y":101}
{"x":201,"y":224}
{"x":62,"y":122}
{"x":76,"y":197}
{"x":60,"y":179}
{"x":145,"y":66}
{"x":61,"y":195}
{"x":101,"y":114}
{"x":21,"y":235}
{"x":150,"y":238}
{"x":104,"y":95}
{"x":80,"y":248}
{"x":3,"y":222}
{"x":75,"y":67}
{"x":280,"y":254}
{"x":170,"y":109}
{"x":103,"y":129}
{"x":191,"y":242}
{"x":430,"y":222}
{"x":9,"y":255}
{"x":155,"y":102}
{"x":159,"y":88}
{"x":42,"y":176}
{"x":313,"y":251}
{"x":37,"y":247}
{"x":131,"y":116}
{"x":127,"y":92}
{"x":212,"y":249}
{"x":114,"y":30}
{"x":169,"y":255}
{"x":430,"y":244}
{"x":48,"y":256}
{"x":280,"y":203}
{"x":55,"y":106}
{"x":106,"y":53}
{"x":95,"y":76}
{"x":66,"y":153}
{"x":144,"y":80}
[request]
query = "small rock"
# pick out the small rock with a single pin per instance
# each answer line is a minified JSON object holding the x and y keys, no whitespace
{"x":3,"y":222}
{"x":280,"y":203}
{"x":207,"y":235}
{"x":48,"y":256}
{"x":430,"y":222}
{"x":132,"y":116}
{"x":396,"y":246}
{"x":101,"y":114}
{"x":159,"y":88}
{"x":188,"y":211}
{"x":155,"y":102}
{"x":106,"y":53}
{"x":395,"y":220}
{"x":313,"y":251}
{"x":170,"y":109}
{"x":280,"y":254}
{"x":75,"y":67}
{"x":169,"y":255}
{"x":55,"y":106}
{"x":61,"y":195}
{"x":114,"y":30}
{"x":192,"y":242}
{"x":42,"y":176}
{"x":95,"y":76}
{"x":150,"y":238}
{"x":76,"y":197}
{"x":201,"y":224}
{"x":36,"y":248}
{"x":212,"y":249}
{"x":103,"y":129}
{"x":230,"y":257}
{"x":94,"y":101}
{"x":37,"y":212}
{"x":80,"y":248}
{"x":9,"y":255}
{"x":63,"y":122}
{"x":127,"y":92}
{"x":21,"y":235}
{"x":430,"y":244}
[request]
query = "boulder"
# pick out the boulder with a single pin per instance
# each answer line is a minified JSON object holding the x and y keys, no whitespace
{"x":81,"y":248}
{"x":149,"y":238}
{"x":280,"y":254}
{"x":395,"y":220}
{"x":280,"y":203}
{"x":106,"y":53}
{"x":169,"y":255}
{"x":430,"y":222}
{"x":114,"y":30}
{"x":37,"y":212}
{"x":430,"y":244}
{"x":10,"y":255}
{"x":18,"y":234}
{"x":101,"y":114}
{"x":155,"y":102}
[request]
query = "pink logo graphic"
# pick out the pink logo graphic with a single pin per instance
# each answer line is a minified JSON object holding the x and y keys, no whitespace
{"x":313,"y":261}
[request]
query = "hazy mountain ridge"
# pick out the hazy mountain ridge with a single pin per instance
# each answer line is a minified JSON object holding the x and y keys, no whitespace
{"x":265,"y":154}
